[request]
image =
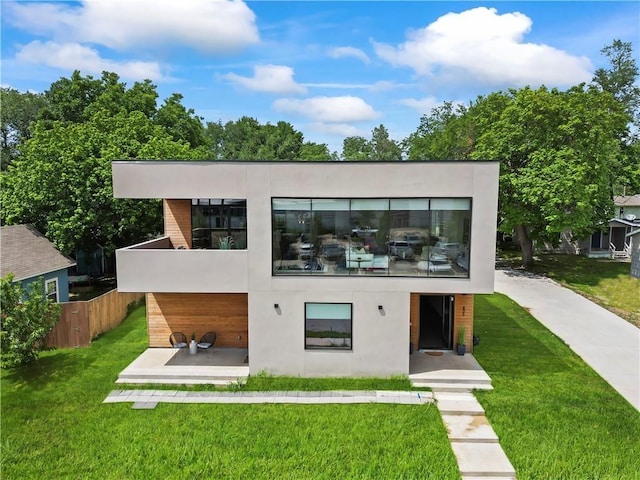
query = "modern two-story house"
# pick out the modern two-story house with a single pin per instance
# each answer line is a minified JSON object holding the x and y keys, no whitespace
{"x":318,"y":268}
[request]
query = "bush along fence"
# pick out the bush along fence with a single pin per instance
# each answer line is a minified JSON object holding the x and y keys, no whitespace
{"x":81,"y":322}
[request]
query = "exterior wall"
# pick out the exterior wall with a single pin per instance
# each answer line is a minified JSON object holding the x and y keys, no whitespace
{"x":63,"y":283}
{"x":379,"y":339}
{"x":463,"y":316}
{"x":635,"y":255}
{"x":225,"y":314}
{"x":276,"y":338}
{"x":182,"y":271}
{"x":177,"y":222}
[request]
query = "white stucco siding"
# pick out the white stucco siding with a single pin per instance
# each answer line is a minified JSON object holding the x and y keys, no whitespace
{"x":380,"y":340}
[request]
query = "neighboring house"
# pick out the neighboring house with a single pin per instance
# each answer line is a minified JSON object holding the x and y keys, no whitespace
{"x":27,"y":254}
{"x":634,"y":238}
{"x":257,"y":252}
{"x":613,"y":240}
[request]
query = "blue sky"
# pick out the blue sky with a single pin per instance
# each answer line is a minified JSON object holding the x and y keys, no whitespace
{"x":331,"y":69}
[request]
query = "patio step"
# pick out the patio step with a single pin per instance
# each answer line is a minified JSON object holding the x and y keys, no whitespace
{"x":458,"y":403}
{"x":452,"y":386}
{"x":180,"y":380}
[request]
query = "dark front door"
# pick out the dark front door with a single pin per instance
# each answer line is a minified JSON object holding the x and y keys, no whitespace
{"x":436,"y":320}
{"x":617,"y":237}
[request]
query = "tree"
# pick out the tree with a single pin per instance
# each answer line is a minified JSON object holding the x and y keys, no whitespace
{"x":62,"y":181}
{"x":315,"y":152}
{"x":180,"y":122}
{"x":444,"y":134}
{"x":557,"y":152}
{"x":620,"y":80}
{"x":19,"y":110}
{"x":382,"y":147}
{"x":356,"y":148}
{"x":27,"y":318}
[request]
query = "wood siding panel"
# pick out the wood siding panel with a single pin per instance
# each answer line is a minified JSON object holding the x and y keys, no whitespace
{"x":225,"y":314}
{"x":414,"y":319}
{"x":177,"y":222}
{"x":463,"y":315}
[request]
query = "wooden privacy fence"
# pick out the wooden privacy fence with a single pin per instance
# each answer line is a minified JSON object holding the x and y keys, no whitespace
{"x":80,"y":322}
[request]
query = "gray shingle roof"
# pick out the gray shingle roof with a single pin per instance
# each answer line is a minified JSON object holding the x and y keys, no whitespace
{"x":27,"y":253}
{"x":628,"y":201}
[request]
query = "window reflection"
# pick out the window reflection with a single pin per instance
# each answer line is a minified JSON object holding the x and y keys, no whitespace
{"x":219,"y":223}
{"x":376,"y":237}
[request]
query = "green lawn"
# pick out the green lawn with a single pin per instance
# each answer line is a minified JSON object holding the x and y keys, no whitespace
{"x":556,"y":418}
{"x":603,"y":281}
{"x":55,"y":426}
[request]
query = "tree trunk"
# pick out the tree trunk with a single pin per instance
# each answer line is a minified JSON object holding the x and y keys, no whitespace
{"x":526,"y":245}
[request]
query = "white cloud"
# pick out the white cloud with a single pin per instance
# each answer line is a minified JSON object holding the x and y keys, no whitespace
{"x":269,"y":78}
{"x":421,"y":105}
{"x":73,"y":56}
{"x":478,"y":45}
{"x":340,"y":129}
{"x":209,"y":25}
{"x":340,"y":52}
{"x":328,"y":109}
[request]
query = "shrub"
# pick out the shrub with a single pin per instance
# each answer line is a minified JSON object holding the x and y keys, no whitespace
{"x":26,"y":320}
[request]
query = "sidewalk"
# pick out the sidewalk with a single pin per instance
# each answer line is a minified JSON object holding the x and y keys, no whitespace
{"x":609,"y":344}
{"x":150,"y":398}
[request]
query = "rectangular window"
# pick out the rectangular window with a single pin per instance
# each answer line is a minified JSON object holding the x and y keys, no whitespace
{"x":219,"y":223}
{"x":408,"y":237}
{"x":51,"y":289}
{"x":327,"y":326}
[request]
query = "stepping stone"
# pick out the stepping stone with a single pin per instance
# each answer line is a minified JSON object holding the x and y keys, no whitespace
{"x":482,"y":460}
{"x":469,"y":428}
{"x":144,"y":405}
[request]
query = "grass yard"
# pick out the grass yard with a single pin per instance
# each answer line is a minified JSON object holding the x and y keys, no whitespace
{"x":55,"y":426}
{"x":602,"y":281}
{"x":556,"y":418}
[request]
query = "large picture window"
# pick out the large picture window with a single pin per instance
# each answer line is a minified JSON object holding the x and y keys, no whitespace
{"x":327,"y":326}
{"x":371,"y":236}
{"x":219,"y":223}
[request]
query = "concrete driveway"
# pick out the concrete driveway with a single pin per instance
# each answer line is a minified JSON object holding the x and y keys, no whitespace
{"x":609,"y":344}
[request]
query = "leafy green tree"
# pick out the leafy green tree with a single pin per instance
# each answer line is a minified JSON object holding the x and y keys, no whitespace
{"x":557,"y":152}
{"x":441,"y":135}
{"x":281,"y":142}
{"x":180,"y":122}
{"x":356,"y":148}
{"x":19,"y":110}
{"x":62,"y":181}
{"x":620,"y":80}
{"x":382,"y":147}
{"x":27,"y":318}
{"x":315,"y":152}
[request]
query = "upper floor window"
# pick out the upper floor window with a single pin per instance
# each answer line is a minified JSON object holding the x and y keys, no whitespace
{"x":219,"y":223}
{"x":371,"y":236}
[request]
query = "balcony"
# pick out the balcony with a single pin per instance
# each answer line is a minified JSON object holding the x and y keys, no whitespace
{"x":156,"y":266}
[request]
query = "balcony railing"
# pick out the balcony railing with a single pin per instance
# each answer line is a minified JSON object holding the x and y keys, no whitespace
{"x":156,"y":266}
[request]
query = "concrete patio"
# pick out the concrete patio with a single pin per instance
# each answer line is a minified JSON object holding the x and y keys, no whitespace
{"x":216,"y":366}
{"x":447,"y":371}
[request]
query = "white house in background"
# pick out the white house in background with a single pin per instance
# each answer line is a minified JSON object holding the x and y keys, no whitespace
{"x":318,"y":268}
{"x":613,"y":241}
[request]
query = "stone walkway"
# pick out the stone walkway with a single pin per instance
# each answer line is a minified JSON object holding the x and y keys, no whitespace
{"x":150,"y":398}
